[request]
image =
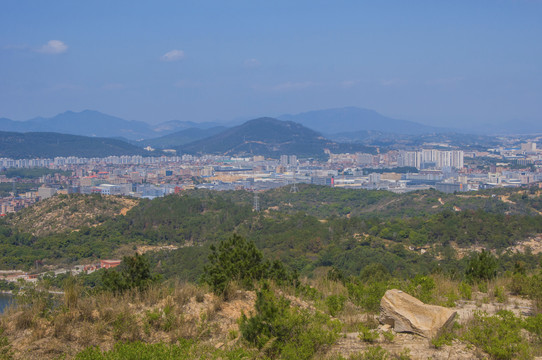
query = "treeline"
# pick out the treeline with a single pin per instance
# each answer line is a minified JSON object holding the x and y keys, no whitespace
{"x":48,"y":144}
{"x":32,"y":173}
{"x":302,"y":241}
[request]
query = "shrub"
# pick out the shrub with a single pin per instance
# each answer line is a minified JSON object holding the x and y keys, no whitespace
{"x":125,"y":327}
{"x":422,"y":287}
{"x":367,"y":335}
{"x":534,"y":325}
{"x":388,"y":336}
{"x":5,"y":348}
{"x":184,"y":350}
{"x":499,"y":294}
{"x":498,"y":335}
{"x":465,"y":290}
{"x":72,"y":292}
{"x":375,"y":353}
{"x":443,"y":339}
{"x":335,"y":274}
{"x":335,"y":304}
{"x":374,"y":272}
{"x":482,"y":266}
{"x":280,"y":330}
{"x":368,"y":297}
{"x":133,"y":272}
{"x":237,"y":259}
{"x":451,"y":298}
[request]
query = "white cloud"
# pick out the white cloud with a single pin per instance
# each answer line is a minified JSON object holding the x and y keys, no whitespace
{"x":53,"y":47}
{"x":173,"y":55}
{"x":251,"y":63}
{"x":293,"y":86}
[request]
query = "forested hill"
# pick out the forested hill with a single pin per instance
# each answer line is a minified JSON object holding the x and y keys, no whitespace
{"x":43,"y":144}
{"x":324,"y":202}
{"x":319,"y":226}
{"x":269,"y":137}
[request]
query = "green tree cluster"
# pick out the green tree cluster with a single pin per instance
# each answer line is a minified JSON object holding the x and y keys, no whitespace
{"x":482,"y":266}
{"x":286,"y":332}
{"x":134,"y":272}
{"x":237,"y":259}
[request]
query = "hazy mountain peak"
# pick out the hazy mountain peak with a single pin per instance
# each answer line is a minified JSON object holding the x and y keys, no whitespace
{"x":350,"y":118}
{"x":264,"y":136}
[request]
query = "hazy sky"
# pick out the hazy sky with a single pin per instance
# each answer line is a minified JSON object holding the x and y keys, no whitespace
{"x":437,"y":62}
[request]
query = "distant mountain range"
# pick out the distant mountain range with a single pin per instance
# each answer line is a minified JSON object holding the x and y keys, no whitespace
{"x":180,"y":137}
{"x":401,"y":141}
{"x":269,"y":137}
{"x":95,"y":123}
{"x":265,"y":136}
{"x":48,"y":145}
{"x":306,"y":134}
{"x":353,"y":119}
{"x":348,"y":123}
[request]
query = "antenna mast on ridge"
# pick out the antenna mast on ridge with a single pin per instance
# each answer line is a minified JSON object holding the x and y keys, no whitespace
{"x":294,"y":188}
{"x":256,"y":202}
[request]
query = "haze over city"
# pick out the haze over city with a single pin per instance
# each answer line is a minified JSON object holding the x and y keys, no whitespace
{"x":452,"y":64}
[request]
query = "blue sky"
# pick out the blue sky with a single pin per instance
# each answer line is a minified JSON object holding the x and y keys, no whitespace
{"x":436,"y":62}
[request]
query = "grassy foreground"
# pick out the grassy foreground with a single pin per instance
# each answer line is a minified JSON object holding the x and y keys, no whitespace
{"x":256,"y":309}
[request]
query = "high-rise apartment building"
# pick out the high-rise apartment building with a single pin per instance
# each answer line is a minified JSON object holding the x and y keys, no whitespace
{"x":432,"y":158}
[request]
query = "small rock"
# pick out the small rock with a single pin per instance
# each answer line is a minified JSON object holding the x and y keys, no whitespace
{"x":384,"y":327}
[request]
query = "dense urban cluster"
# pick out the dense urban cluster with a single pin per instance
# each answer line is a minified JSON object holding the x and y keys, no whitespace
{"x":447,"y":170}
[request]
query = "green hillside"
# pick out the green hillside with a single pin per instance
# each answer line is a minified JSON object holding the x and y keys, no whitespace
{"x":40,"y":145}
{"x":319,"y":226}
{"x":271,"y":138}
{"x":303,"y":278}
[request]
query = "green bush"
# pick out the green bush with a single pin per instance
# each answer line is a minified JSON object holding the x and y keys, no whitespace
{"x":367,"y":296}
{"x":451,"y":298}
{"x":443,"y":339}
{"x":481,"y":267}
{"x":465,"y":290}
{"x":335,"y":304}
{"x":421,"y":287}
{"x":282,"y":331}
{"x":6,"y":353}
{"x":534,"y":325}
{"x":498,"y":335}
{"x":184,"y":350}
{"x":499,"y":294}
{"x":335,"y":274}
{"x":388,"y":336}
{"x":237,"y":259}
{"x":367,"y":335}
{"x":375,"y":272}
{"x":134,"y":272}
{"x":375,"y":353}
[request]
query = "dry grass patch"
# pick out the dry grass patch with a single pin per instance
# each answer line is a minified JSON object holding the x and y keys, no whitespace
{"x":157,"y":314}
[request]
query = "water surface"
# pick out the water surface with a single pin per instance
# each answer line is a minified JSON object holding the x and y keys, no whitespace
{"x":5,"y":300}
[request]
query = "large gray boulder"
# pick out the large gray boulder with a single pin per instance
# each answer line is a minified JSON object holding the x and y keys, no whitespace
{"x":405,"y":313}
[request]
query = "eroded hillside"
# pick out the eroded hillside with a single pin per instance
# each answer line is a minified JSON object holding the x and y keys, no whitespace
{"x":70,"y":212}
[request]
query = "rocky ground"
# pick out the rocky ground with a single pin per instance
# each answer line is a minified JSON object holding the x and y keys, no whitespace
{"x":70,"y":212}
